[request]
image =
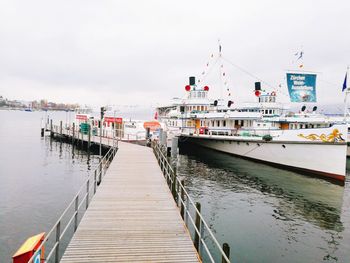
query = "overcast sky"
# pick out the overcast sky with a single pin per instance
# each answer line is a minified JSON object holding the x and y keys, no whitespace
{"x":142,"y":52}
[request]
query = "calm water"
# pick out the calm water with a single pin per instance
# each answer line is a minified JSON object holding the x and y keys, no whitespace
{"x":266,"y":214}
{"x":38,"y":176}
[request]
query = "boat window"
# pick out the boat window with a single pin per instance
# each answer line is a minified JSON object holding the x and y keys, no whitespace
{"x":224,"y":123}
{"x":218,"y":123}
{"x":270,"y":111}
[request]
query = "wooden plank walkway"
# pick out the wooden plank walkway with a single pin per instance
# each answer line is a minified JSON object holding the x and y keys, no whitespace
{"x":132,"y":217}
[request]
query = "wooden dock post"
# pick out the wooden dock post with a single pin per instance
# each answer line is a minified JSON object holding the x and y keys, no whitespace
{"x":58,"y":234}
{"x":174,"y":146}
{"x":73,"y":133}
{"x":42,"y":128}
{"x":198,"y":226}
{"x":182,"y":199}
{"x":160,"y":136}
{"x":226,"y":249}
{"x":89,"y":138}
{"x":51,"y":128}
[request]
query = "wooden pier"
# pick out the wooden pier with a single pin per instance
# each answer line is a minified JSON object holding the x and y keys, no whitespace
{"x":133,"y":208}
{"x":133,"y":216}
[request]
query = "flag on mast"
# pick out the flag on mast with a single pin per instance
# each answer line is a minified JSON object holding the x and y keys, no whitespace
{"x":345,"y":82}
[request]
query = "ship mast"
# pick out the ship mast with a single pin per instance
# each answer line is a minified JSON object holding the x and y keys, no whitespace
{"x":220,"y":70}
{"x":347,"y":91}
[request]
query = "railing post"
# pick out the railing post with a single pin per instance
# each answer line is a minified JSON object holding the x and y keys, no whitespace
{"x":100,"y":173}
{"x":58,"y":234}
{"x":182,"y":211}
{"x":76,"y":205}
{"x":95,"y":182}
{"x":87,"y":193}
{"x":174,"y":183}
{"x":226,"y":249}
{"x":61,"y":128}
{"x":198,"y":226}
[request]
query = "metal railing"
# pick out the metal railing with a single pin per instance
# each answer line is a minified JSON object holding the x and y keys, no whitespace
{"x":88,"y":189}
{"x":186,"y":204}
{"x":110,"y":135}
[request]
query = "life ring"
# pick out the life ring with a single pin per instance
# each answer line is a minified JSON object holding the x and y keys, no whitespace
{"x":273,"y":93}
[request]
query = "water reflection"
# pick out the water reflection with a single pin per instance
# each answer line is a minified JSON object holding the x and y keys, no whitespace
{"x":289,"y":213}
{"x":39,"y":177}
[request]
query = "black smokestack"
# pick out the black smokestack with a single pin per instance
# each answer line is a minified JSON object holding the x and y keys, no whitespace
{"x":192,"y":81}
{"x":257,"y":86}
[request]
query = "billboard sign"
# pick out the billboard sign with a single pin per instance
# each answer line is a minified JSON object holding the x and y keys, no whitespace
{"x":301,"y":87}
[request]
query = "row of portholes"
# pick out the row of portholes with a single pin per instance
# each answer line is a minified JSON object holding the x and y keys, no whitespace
{"x":258,"y":144}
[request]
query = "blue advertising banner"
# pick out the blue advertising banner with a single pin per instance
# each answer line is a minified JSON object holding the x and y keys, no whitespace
{"x":301,"y":87}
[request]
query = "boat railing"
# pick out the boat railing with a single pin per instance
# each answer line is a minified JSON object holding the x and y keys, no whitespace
{"x":247,"y":132}
{"x":204,"y":240}
{"x":56,"y":241}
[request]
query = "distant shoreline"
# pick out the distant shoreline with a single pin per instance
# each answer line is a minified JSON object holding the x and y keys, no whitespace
{"x":24,"y":109}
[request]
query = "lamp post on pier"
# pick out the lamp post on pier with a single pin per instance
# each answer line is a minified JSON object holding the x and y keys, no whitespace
{"x":103,"y":109}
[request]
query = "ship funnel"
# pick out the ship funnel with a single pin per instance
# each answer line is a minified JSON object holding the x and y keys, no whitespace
{"x":192,"y":81}
{"x":257,"y":86}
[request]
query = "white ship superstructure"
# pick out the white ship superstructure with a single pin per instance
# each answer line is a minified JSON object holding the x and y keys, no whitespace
{"x":265,"y":131}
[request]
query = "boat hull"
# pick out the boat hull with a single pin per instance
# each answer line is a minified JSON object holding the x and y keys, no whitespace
{"x":322,"y":159}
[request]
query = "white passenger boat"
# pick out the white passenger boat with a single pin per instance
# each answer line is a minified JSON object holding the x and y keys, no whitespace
{"x":264,"y":131}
